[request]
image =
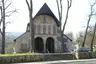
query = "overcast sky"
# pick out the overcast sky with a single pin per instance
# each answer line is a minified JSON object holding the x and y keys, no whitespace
{"x":78,"y":14}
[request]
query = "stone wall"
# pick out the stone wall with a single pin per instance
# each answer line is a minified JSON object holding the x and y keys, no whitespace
{"x":36,"y":57}
{"x":86,"y":55}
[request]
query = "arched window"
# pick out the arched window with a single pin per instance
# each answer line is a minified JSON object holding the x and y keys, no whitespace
{"x":39,"y":29}
{"x":49,"y":29}
{"x":44,"y":29}
{"x":54,"y":29}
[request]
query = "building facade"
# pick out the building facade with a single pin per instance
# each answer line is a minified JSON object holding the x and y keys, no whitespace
{"x":46,"y":33}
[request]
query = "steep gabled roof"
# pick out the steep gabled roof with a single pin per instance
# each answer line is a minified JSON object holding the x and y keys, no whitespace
{"x":46,"y":10}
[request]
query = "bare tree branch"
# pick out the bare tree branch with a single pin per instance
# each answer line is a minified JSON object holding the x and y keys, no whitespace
{"x":11,"y":12}
{"x":5,"y":1}
{"x":68,"y":7}
{"x":31,"y":6}
{"x":61,"y":11}
{"x":58,"y":8}
{"x":27,"y":4}
{"x":0,"y":31}
{"x":8,"y":5}
{"x":70,"y":3}
{"x":7,"y":23}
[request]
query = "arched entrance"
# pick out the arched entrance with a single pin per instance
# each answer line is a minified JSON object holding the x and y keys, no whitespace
{"x":50,"y":45}
{"x":39,"y":46}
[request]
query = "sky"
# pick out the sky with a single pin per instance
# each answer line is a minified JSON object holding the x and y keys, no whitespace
{"x":78,"y":14}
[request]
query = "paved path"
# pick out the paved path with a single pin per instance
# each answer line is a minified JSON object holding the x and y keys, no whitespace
{"x":85,"y":61}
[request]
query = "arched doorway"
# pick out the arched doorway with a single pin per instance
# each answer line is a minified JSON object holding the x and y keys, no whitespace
{"x":39,"y":46}
{"x":50,"y":45}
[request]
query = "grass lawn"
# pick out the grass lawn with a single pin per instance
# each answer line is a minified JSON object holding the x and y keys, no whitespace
{"x":17,"y":54}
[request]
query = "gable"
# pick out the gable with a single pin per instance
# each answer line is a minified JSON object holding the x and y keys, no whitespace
{"x":45,"y":10}
{"x":44,"y":19}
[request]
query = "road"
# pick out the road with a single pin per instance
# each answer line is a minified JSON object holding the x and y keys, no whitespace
{"x":84,"y":61}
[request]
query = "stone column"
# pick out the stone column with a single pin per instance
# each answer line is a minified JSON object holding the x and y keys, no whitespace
{"x":44,"y":46}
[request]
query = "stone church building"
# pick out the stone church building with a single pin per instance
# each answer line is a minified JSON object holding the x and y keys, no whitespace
{"x":46,"y":34}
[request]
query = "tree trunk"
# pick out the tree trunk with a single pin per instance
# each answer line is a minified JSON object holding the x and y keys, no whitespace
{"x":69,"y":2}
{"x":60,"y":19}
{"x":93,"y":37}
{"x":30,"y":8}
{"x":3,"y":33}
{"x":32,"y":33}
{"x":86,"y":30}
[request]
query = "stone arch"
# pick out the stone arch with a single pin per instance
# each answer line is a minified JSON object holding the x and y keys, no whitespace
{"x":39,"y":46}
{"x":50,"y":45}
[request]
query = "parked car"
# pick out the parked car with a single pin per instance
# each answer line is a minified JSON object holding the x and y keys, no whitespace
{"x":71,"y":51}
{"x":84,"y":49}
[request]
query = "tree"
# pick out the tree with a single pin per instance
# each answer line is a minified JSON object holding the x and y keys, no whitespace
{"x":30,"y":8}
{"x":89,"y":18}
{"x":80,"y":39}
{"x":59,"y":7}
{"x":3,"y":9}
{"x":3,"y":20}
{"x":93,"y":37}
{"x":90,"y":38}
